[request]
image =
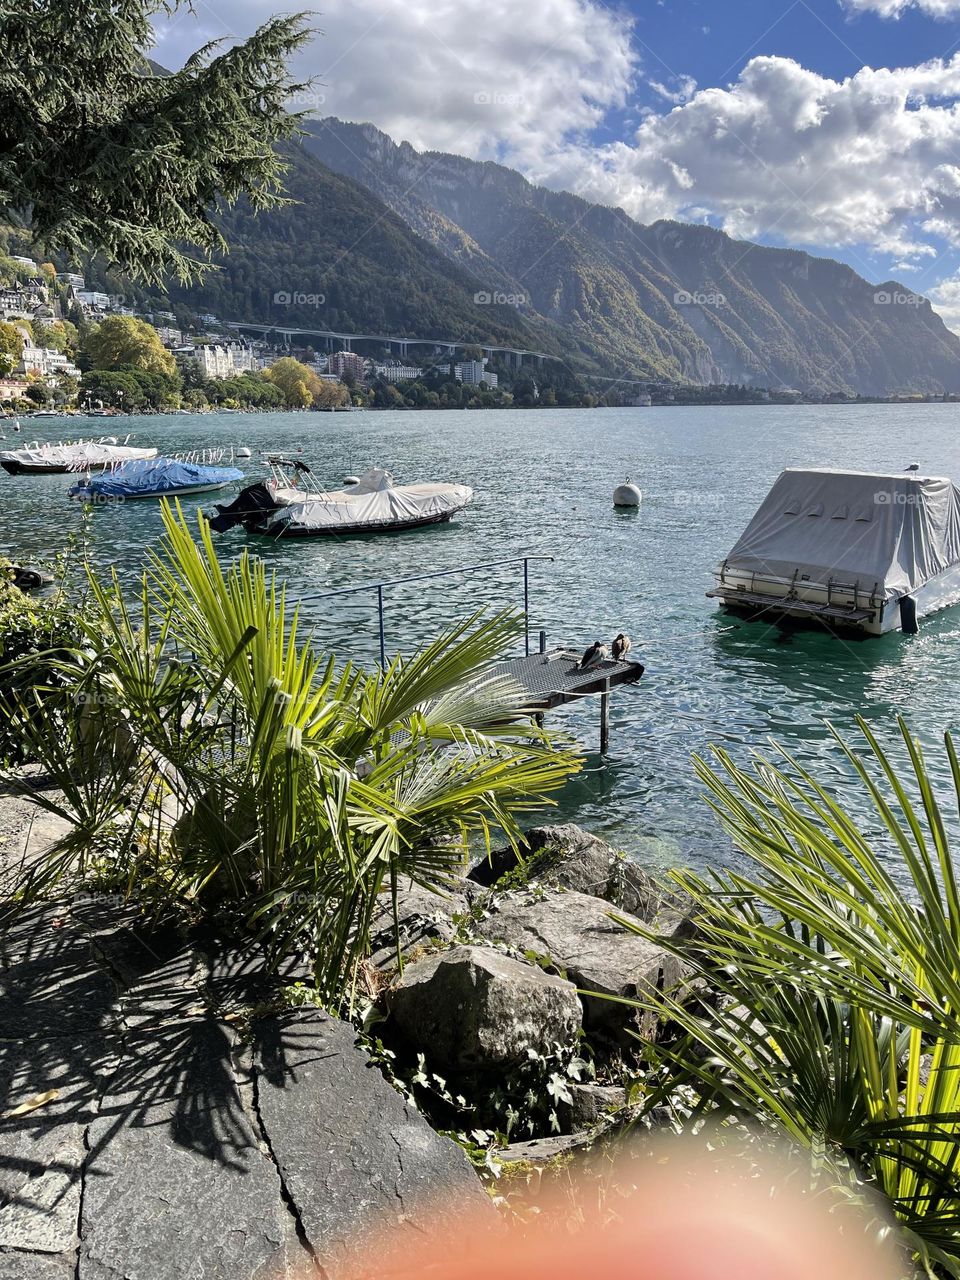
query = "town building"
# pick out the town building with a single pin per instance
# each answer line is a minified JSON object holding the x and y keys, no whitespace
{"x":397,"y":372}
{"x":227,"y":361}
{"x":93,"y":299}
{"x":71,"y":280}
{"x":473,"y":372}
{"x":342,"y":362}
{"x":170,"y":337}
{"x":46,"y":362}
{"x":23,"y":262}
{"x":13,"y":388}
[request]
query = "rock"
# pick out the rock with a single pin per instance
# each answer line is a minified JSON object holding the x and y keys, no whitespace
{"x":593,"y":1103}
{"x":541,"y":1151}
{"x":473,"y":1007}
{"x":423,"y":917}
{"x":568,"y":857}
{"x":574,"y":932}
{"x":355,"y":1159}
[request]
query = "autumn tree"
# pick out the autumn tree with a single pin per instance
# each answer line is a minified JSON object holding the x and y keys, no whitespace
{"x":11,"y":347}
{"x":299,"y":384}
{"x":120,"y":342}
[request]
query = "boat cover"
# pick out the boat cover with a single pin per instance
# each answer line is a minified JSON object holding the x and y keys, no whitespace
{"x":75,"y":456}
{"x":375,"y":501}
{"x":897,"y":531}
{"x":157,"y":476}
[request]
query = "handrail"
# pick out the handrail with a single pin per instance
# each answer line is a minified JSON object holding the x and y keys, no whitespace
{"x":437,"y":573}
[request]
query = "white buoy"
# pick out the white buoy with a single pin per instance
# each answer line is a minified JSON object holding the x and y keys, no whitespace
{"x":627,"y":495}
{"x":243,"y":452}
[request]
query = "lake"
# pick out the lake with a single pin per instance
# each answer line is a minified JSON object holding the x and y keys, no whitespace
{"x":543,"y":484}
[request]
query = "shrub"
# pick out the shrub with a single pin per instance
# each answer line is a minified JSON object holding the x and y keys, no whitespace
{"x":836,"y":961}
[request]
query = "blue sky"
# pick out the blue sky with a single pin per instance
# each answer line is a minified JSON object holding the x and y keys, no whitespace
{"x":831,"y":125}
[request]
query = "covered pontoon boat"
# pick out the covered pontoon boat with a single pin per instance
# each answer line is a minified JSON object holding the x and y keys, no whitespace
{"x":375,"y":504}
{"x":849,"y":549}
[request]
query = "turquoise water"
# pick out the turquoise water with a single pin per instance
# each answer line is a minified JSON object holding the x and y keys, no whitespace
{"x":543,"y":482}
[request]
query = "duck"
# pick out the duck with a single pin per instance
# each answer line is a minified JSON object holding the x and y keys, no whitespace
{"x":593,"y":655}
{"x":620,"y":647}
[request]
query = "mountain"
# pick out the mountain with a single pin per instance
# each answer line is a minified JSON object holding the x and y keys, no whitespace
{"x":667,"y":300}
{"x":356,"y":265}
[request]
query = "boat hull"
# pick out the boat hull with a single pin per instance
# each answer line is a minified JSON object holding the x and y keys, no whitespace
{"x":182,"y":492}
{"x":814,"y":606}
{"x":282,"y":529}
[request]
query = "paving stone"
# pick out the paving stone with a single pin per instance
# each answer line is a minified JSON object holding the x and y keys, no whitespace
{"x":356,"y":1160}
{"x":177,"y":1186}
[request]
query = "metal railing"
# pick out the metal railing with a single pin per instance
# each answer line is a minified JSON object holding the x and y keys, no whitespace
{"x":379,"y":588}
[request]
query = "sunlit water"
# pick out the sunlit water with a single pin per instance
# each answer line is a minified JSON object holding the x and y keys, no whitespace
{"x":543,"y":483}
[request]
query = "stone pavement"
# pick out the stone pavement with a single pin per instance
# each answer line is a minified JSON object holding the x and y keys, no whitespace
{"x":154,"y":1127}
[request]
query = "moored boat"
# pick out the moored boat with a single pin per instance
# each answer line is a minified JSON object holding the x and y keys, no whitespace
{"x":155,"y":478}
{"x":849,"y":550}
{"x":60,"y":459}
{"x":375,"y":504}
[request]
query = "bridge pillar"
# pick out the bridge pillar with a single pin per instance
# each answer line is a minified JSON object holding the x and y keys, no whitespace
{"x":404,"y":347}
{"x":346,"y":344}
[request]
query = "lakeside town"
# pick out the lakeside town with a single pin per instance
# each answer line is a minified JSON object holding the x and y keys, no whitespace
{"x":66,"y":348}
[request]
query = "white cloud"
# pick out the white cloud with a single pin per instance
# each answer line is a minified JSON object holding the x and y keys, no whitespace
{"x":873,"y":160}
{"x":895,"y":8}
{"x":479,"y":77}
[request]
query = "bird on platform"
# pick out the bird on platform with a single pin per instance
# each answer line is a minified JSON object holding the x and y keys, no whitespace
{"x":592,"y":656}
{"x":620,"y":647}
{"x":914,"y":466}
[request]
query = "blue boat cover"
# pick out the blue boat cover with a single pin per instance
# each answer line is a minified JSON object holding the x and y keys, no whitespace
{"x":156,"y":476}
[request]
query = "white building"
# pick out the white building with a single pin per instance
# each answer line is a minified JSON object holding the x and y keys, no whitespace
{"x":473,"y":372}
{"x":227,"y":361}
{"x":24,"y":262}
{"x":93,"y":299}
{"x":397,"y":372}
{"x":71,"y":280}
{"x":170,"y":337}
{"x":46,"y":362}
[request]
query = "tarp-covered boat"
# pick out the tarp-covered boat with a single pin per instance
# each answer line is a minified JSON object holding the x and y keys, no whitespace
{"x":375,"y":504}
{"x":156,"y":478}
{"x":849,"y":549}
{"x":59,"y":459}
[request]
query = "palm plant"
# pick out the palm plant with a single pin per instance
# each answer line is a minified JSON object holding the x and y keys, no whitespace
{"x":226,"y":767}
{"x":835,"y":962}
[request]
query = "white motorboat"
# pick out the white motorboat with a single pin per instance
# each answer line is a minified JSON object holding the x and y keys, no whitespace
{"x":62,"y":458}
{"x":847,"y":549}
{"x":375,"y":504}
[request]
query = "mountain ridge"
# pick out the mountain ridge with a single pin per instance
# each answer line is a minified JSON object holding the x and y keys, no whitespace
{"x":676,"y":300}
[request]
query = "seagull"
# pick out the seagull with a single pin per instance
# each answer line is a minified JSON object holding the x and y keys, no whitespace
{"x":914,"y":466}
{"x":592,"y":656}
{"x":620,"y":647}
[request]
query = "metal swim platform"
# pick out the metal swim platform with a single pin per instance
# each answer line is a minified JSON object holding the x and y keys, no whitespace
{"x":790,"y":604}
{"x":553,"y":677}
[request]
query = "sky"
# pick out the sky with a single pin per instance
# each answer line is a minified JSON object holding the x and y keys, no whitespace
{"x":828,"y":125}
